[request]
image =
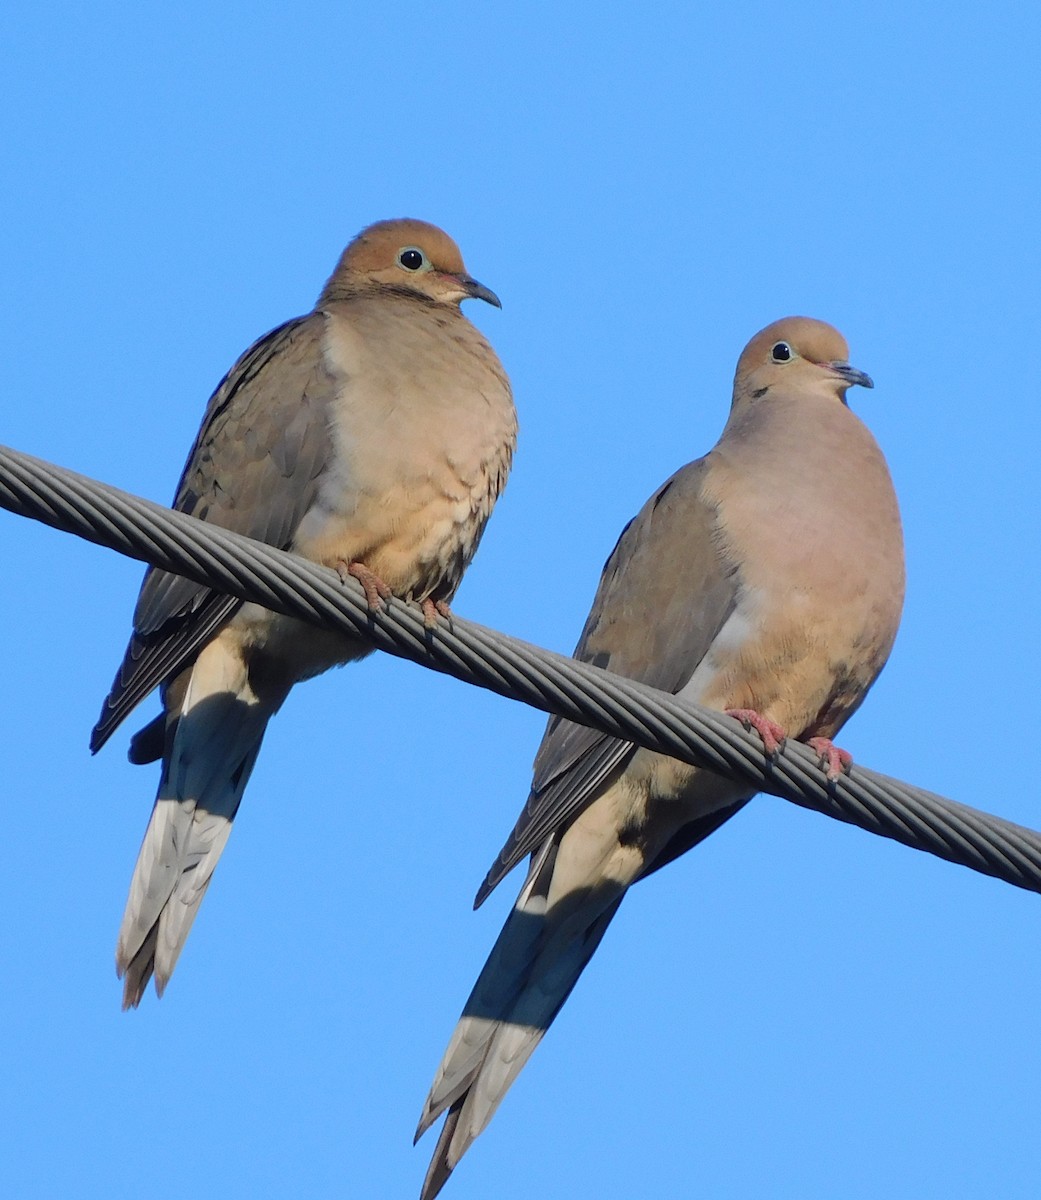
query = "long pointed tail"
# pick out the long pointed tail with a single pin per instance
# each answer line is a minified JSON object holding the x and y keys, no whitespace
{"x":211,"y":753}
{"x":530,"y":972}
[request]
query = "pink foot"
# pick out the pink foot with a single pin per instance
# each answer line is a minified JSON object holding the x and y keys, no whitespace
{"x":835,"y":760}
{"x":432,"y":609}
{"x":376,"y":591}
{"x":772,"y":734}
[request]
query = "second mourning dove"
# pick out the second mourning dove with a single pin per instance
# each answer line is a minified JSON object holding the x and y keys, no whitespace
{"x":372,"y":435}
{"x":765,"y":579}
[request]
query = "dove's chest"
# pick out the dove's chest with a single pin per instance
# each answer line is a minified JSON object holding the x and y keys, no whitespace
{"x":423,"y":427}
{"x":812,"y":522}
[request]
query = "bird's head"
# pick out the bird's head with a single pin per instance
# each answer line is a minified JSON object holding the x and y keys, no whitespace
{"x":407,"y":256}
{"x":797,"y":354}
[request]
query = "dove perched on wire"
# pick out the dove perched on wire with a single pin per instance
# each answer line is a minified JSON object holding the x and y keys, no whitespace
{"x":372,"y":435}
{"x":765,"y":579}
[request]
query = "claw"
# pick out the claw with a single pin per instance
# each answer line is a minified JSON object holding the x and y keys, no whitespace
{"x":834,"y":759}
{"x":432,"y":609}
{"x":376,"y":591}
{"x":772,"y":734}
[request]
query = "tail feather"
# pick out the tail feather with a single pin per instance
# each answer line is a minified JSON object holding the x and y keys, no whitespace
{"x":500,"y":982}
{"x":535,"y":963}
{"x":211,"y":754}
{"x":137,"y":970}
{"x":209,"y":835}
{"x":441,"y":1165}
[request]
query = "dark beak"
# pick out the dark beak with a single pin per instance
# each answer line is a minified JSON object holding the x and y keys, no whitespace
{"x":477,"y":291}
{"x":849,"y":374}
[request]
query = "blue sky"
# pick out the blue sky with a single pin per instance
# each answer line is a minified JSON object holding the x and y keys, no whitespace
{"x":796,"y":1009}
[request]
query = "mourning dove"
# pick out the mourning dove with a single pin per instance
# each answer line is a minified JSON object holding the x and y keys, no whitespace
{"x":373,"y":435}
{"x":765,"y":579}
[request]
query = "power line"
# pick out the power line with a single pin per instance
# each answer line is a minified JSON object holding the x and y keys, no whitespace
{"x":238,"y":565}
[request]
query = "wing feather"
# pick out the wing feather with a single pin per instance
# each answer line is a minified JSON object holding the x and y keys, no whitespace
{"x":255,"y":469}
{"x":665,"y":592}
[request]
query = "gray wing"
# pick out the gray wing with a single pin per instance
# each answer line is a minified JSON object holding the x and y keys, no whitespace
{"x":665,"y":593}
{"x":254,"y":469}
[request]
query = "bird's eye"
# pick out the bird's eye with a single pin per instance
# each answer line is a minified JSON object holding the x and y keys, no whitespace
{"x":412,"y":259}
{"x":781,"y":352}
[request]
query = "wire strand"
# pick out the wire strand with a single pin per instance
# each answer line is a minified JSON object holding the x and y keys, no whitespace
{"x":240,"y":566}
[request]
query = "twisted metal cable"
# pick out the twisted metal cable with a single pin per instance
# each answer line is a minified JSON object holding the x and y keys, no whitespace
{"x":240,"y":566}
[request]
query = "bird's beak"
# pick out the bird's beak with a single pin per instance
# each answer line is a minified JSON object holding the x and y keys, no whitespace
{"x":849,"y":374}
{"x":477,"y":291}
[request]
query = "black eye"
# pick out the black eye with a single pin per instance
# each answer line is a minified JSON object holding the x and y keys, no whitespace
{"x":411,"y":258}
{"x":782,"y":352}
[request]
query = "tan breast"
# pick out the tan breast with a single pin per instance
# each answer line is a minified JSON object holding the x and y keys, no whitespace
{"x":818,"y":539}
{"x":424,"y":428}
